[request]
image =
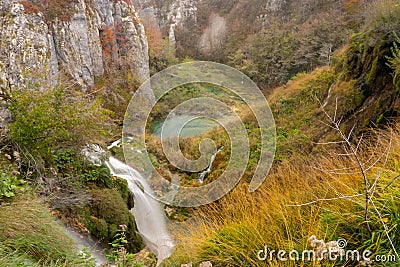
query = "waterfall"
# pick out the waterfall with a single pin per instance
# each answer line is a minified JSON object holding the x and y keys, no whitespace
{"x":203,"y":174}
{"x":329,"y":95}
{"x":149,"y":215}
{"x":148,"y":212}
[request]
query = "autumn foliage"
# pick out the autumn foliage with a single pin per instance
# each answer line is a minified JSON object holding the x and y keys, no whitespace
{"x":29,"y":7}
{"x":108,"y":41}
{"x":154,"y":36}
{"x":51,"y":9}
{"x":114,"y":44}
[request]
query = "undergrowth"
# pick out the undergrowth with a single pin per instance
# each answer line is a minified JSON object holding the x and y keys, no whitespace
{"x":30,"y":236}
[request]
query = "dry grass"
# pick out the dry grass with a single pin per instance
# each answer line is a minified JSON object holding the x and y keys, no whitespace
{"x":232,"y":231}
{"x":293,"y":86}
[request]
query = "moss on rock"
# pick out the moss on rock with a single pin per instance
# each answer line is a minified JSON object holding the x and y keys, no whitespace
{"x":107,"y":211}
{"x":109,"y":204}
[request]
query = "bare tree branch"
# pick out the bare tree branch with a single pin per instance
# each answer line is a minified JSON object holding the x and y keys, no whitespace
{"x":323,"y":199}
{"x":392,"y":182}
{"x":352,"y":151}
{"x":386,"y":229}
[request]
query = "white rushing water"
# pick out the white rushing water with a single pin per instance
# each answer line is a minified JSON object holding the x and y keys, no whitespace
{"x":82,"y":241}
{"x":148,"y":212}
{"x":149,"y":215}
{"x":203,"y":174}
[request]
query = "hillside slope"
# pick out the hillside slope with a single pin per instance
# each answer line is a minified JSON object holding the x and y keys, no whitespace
{"x":316,"y":187}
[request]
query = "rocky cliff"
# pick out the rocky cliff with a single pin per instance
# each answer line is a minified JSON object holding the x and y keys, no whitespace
{"x":82,"y":42}
{"x":170,"y":15}
{"x":173,"y":17}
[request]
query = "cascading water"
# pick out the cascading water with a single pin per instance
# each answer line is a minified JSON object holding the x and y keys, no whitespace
{"x":203,"y":174}
{"x":148,"y":212}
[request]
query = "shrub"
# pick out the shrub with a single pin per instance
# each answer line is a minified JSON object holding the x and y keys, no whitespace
{"x":394,"y":62}
{"x":9,"y":184}
{"x":53,"y":119}
{"x":119,"y":254}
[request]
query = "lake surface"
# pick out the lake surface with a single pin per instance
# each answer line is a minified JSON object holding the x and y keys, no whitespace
{"x":193,"y":128}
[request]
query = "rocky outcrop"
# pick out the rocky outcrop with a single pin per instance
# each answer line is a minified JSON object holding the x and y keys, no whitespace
{"x":213,"y":36}
{"x":5,"y":117}
{"x":171,"y":15}
{"x":98,"y":34}
{"x":179,"y":11}
{"x":27,"y":48}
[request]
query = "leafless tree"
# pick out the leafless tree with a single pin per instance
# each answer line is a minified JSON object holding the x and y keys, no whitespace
{"x":351,"y":146}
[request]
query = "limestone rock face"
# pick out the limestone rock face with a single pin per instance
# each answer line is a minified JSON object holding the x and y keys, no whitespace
{"x":178,"y":12}
{"x":213,"y":36}
{"x":170,"y":14}
{"x":5,"y":117}
{"x":99,"y":33}
{"x":26,"y":46}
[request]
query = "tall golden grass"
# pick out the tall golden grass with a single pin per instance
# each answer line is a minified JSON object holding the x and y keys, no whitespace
{"x":231,"y":231}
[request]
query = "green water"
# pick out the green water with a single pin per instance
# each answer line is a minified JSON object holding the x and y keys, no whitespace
{"x":193,"y":128}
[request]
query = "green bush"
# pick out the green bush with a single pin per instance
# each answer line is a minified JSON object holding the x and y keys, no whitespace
{"x":69,"y":163}
{"x":52,"y":119}
{"x":9,"y":184}
{"x":106,"y":212}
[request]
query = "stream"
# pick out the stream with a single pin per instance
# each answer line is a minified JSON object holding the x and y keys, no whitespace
{"x":95,"y":249}
{"x":203,"y":174}
{"x":151,"y":222}
{"x":148,"y":212}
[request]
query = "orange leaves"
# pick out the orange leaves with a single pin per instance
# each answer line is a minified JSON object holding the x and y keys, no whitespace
{"x":114,"y":41}
{"x":61,"y":9}
{"x":108,"y":41}
{"x":154,"y":36}
{"x":29,"y":7}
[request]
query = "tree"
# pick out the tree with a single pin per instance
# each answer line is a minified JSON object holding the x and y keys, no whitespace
{"x":154,"y":36}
